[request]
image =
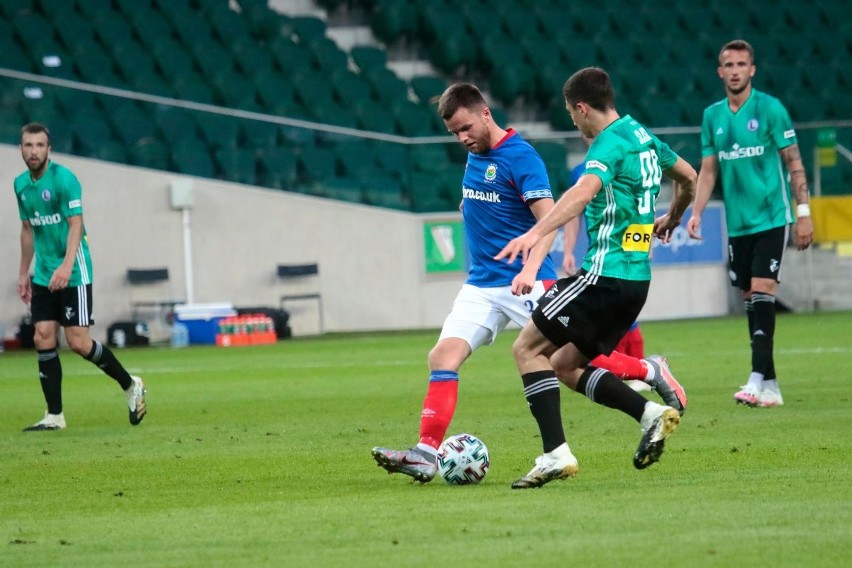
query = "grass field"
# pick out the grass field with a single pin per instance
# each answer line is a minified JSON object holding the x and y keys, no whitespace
{"x":260,"y":456}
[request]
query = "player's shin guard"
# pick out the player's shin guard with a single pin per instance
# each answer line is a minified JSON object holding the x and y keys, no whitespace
{"x":541,"y":390}
{"x":106,"y":361}
{"x":763,"y":335}
{"x":438,"y":407}
{"x":622,"y":366}
{"x":50,"y":375}
{"x":604,"y":388}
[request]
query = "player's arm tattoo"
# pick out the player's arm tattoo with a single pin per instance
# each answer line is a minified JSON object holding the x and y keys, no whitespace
{"x":798,"y":181}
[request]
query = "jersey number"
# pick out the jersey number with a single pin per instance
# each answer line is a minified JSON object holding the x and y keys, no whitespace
{"x":652,"y":174}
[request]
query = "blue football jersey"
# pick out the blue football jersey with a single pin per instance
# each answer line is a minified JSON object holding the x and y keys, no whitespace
{"x":496,"y":188}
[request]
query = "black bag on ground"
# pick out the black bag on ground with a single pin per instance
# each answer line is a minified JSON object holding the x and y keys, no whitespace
{"x":127,"y":334}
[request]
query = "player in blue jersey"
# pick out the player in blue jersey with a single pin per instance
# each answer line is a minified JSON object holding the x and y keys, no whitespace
{"x":505,"y":189}
{"x":585,"y":315}
{"x":60,"y":290}
{"x":745,"y":137}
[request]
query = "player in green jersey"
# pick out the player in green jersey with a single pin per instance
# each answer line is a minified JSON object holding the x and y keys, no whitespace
{"x":60,"y":290}
{"x":585,"y":315}
{"x":745,"y":137}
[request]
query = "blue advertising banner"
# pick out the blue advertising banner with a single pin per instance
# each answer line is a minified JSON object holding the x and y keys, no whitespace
{"x":681,"y":249}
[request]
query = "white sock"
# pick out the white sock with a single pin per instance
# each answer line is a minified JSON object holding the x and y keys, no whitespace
{"x":755,"y":380}
{"x":652,"y":411}
{"x":771,"y":385}
{"x":426,"y":448}
{"x":560,"y":452}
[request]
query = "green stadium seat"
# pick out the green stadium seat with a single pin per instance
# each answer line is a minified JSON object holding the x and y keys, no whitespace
{"x":192,"y":157}
{"x":131,"y":58}
{"x":150,"y":153}
{"x":111,"y":28}
{"x":387,"y":86}
{"x":237,"y":165}
{"x":428,"y":157}
{"x":368,"y":57}
{"x":218,"y":130}
{"x":349,"y":87}
{"x":385,"y":191}
{"x":308,"y":28}
{"x":312,"y":89}
{"x":328,"y":56}
{"x":253,"y":59}
{"x":356,"y":159}
{"x":152,"y":83}
{"x":130,"y":124}
{"x":258,"y":135}
{"x":264,"y":23}
{"x":278,"y":168}
{"x":413,"y":119}
{"x":235,"y":90}
{"x":393,"y":20}
{"x":294,"y":59}
{"x":61,"y":137}
{"x":212,"y":58}
{"x":316,"y":164}
{"x":343,"y":189}
{"x":149,"y":23}
{"x":273,"y":90}
{"x":176,"y":124}
{"x":110,"y":151}
{"x":229,"y":26}
{"x":427,"y":87}
{"x":192,"y":87}
{"x":374,"y":117}
{"x":91,"y":8}
{"x":392,"y":158}
{"x":173,"y":60}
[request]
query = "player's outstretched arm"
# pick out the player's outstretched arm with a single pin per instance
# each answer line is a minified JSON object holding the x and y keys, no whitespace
{"x":684,"y":176}
{"x":570,"y":205}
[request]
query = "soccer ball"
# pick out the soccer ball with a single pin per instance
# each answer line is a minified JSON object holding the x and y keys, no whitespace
{"x":463,"y":459}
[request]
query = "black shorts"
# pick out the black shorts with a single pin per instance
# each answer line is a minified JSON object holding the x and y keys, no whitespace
{"x":756,"y":256}
{"x":592,"y":312}
{"x":71,"y":307}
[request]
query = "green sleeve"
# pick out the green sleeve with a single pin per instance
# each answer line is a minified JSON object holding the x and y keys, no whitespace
{"x":781,"y":126}
{"x":71,"y":194}
{"x":707,"y":146}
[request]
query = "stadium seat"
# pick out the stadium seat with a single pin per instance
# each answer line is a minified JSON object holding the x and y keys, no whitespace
{"x":343,"y":189}
{"x":374,"y":117}
{"x":368,"y":57}
{"x":427,"y":87}
{"x":316,"y":164}
{"x":278,"y":168}
{"x":192,"y":157}
{"x":236,"y":165}
{"x":356,"y":159}
{"x":349,"y":87}
{"x":218,"y":130}
{"x":393,"y":20}
{"x":152,"y":154}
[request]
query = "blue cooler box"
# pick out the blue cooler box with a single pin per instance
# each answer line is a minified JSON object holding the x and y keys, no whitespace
{"x":202,"y":320}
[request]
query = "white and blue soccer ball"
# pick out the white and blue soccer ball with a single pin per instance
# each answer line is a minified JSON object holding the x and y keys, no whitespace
{"x":463,"y":459}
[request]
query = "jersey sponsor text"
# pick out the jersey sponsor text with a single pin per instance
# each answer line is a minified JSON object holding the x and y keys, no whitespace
{"x":490,"y":196}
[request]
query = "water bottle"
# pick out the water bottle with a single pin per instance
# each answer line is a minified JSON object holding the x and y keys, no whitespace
{"x":180,"y":335}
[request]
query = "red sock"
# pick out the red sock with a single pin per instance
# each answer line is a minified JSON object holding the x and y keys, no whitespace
{"x":622,"y":366}
{"x":438,"y":407}
{"x":632,"y":344}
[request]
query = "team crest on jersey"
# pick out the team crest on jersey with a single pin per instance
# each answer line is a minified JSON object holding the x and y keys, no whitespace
{"x":491,"y":172}
{"x":752,"y":125}
{"x":45,"y":195}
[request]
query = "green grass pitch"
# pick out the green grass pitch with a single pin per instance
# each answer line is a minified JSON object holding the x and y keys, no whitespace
{"x":260,"y":456}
